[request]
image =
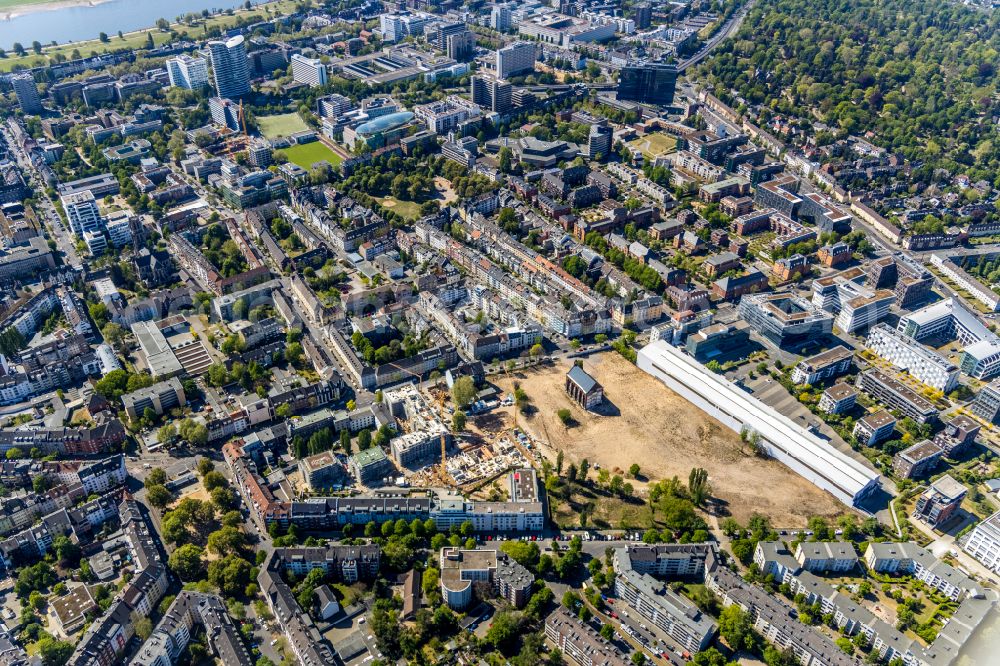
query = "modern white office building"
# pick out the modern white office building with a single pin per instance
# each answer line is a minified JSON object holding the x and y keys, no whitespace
{"x":950,"y":319}
{"x":923,"y":364}
{"x":187,"y":72}
{"x":310,"y":71}
{"x":947,"y":318}
{"x":82,"y":212}
{"x":230,"y":66}
{"x":813,"y":458}
{"x":856,"y":305}
{"x":984,"y":543}
{"x":981,"y":359}
{"x":518,"y":58}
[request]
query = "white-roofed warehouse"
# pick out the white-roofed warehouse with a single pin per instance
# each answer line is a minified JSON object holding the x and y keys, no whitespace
{"x":808,"y":455}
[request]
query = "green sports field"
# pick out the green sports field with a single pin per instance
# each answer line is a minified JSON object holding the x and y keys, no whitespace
{"x":306,"y":154}
{"x":284,"y":124}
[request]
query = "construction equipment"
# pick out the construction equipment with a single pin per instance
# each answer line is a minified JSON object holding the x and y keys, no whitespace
{"x":243,"y":119}
{"x":443,"y":472}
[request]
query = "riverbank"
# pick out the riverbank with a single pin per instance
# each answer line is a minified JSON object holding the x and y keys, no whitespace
{"x":11,"y":9}
{"x":136,"y":39}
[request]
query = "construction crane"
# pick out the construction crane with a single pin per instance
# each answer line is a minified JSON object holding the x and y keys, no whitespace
{"x":243,"y":119}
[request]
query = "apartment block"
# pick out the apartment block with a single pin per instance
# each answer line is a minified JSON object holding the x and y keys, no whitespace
{"x":825,"y":365}
{"x":461,"y":569}
{"x":578,"y":641}
{"x":918,"y":460}
{"x":658,"y":604}
{"x":874,"y":428}
{"x":826,"y":556}
{"x":838,"y":399}
{"x":939,"y":502}
{"x":895,"y":395}
{"x":910,"y":558}
{"x":159,"y":397}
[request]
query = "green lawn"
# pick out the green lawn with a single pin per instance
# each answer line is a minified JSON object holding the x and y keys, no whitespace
{"x":653,"y":145}
{"x":306,"y":154}
{"x":13,"y":4}
{"x":407,"y":209}
{"x":283,"y":124}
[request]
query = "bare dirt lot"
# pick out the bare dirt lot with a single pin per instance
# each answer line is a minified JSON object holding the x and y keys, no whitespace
{"x":644,"y":422}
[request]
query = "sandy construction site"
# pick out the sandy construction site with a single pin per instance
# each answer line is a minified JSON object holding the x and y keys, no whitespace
{"x":644,"y":422}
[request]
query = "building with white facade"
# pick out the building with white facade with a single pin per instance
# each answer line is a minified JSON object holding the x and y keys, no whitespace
{"x":912,"y":559}
{"x":230,"y":67}
{"x":461,"y":569}
{"x":518,"y":58}
{"x":904,"y":353}
{"x":981,"y":292}
{"x":830,"y":363}
{"x":310,"y":71}
{"x":816,"y":460}
{"x":395,"y":27}
{"x":82,"y":212}
{"x":447,"y":114}
{"x":27,"y":93}
{"x":187,"y":72}
{"x":950,"y":319}
{"x":984,"y":543}
{"x":856,"y":305}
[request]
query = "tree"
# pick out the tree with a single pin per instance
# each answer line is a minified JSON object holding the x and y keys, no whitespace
{"x":114,"y":335}
{"x":13,"y":453}
{"x":525,"y":553}
{"x":736,"y":627}
{"x":226,"y":540}
{"x":504,"y":630}
{"x":193,"y":432}
{"x":565,"y":416}
{"x":504,"y":159}
{"x":698,"y":488}
{"x":54,"y":652}
{"x":166,"y":433}
{"x":158,"y":496}
{"x":709,"y":657}
{"x":67,"y":552}
{"x":213,"y":480}
{"x":633,"y":470}
{"x":584,"y":468}
{"x":223,"y":498}
{"x":230,"y":574}
{"x":294,"y":353}
{"x":463,"y":391}
{"x":143,"y":627}
{"x":458,"y":420}
{"x":204,"y":466}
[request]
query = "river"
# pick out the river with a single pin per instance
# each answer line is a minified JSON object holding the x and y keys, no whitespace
{"x":75,"y":23}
